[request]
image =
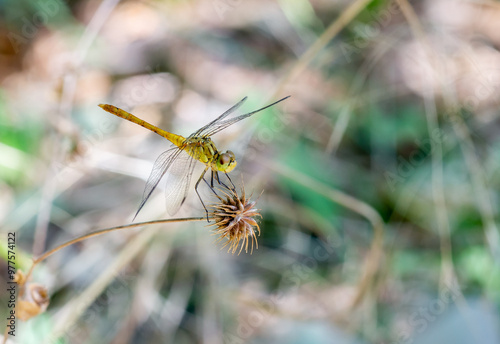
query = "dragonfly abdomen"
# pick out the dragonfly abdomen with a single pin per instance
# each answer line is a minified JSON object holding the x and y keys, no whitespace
{"x":177,"y":140}
{"x":174,"y":138}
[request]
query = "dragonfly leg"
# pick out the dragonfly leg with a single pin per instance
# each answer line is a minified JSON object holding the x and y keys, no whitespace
{"x":196,"y":189}
{"x":211,"y":187}
{"x":234,"y":187}
{"x":221,"y":183}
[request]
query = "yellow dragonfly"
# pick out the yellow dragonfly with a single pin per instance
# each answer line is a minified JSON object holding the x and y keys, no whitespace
{"x":180,"y":160}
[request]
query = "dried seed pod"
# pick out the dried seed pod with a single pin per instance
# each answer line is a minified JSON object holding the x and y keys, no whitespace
{"x":34,"y":301}
{"x":235,"y":220}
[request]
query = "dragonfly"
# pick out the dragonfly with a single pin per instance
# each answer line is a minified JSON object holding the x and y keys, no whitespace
{"x":180,"y":160}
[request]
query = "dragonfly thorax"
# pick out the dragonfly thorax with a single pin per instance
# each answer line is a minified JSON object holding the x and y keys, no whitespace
{"x":204,"y":150}
{"x":200,"y":148}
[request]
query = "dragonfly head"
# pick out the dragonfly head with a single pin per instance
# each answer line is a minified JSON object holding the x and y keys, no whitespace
{"x":226,"y":162}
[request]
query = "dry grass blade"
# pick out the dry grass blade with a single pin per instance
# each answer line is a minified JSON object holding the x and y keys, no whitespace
{"x":447,"y":270}
{"x":345,"y":18}
{"x":78,"y":305}
{"x":374,"y":258}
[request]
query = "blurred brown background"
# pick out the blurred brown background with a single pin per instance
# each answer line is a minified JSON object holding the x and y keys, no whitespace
{"x":378,"y":180}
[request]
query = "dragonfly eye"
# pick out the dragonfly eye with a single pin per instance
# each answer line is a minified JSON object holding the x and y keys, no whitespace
{"x":224,"y":159}
{"x":226,"y":162}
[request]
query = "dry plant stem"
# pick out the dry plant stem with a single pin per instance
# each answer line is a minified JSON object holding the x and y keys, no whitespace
{"x":77,"y":306}
{"x":104,"y":231}
{"x":447,"y":270}
{"x":448,"y":277}
{"x":65,"y":106}
{"x":345,"y":18}
{"x":479,"y":184}
{"x":478,"y":179}
{"x":374,"y":257}
{"x":47,"y":195}
{"x":339,"y":129}
{"x":301,"y":64}
{"x":484,"y":202}
{"x":357,"y":99}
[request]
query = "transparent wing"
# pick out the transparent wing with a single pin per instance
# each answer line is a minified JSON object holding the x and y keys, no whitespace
{"x":215,"y":126}
{"x":220,"y":118}
{"x":178,"y":181}
{"x":161,"y":165}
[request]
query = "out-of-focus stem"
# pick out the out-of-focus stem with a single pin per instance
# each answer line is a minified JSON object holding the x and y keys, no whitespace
{"x":341,"y":22}
{"x":104,"y":231}
{"x":375,"y":256}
